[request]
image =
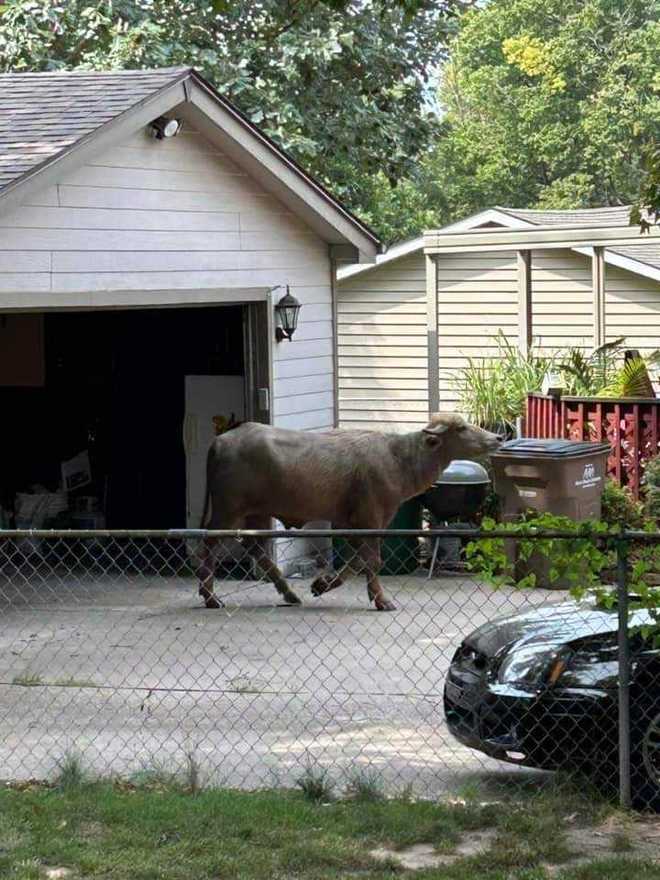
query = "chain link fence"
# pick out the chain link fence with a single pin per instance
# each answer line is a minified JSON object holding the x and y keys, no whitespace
{"x":109,"y":653}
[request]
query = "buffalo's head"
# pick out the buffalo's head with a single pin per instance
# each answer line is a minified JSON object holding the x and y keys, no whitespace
{"x":457,"y":438}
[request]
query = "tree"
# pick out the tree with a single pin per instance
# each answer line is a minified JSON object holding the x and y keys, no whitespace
{"x":549,"y":103}
{"x":341,"y":84}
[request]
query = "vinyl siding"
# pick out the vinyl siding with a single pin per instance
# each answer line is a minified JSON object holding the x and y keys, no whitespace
{"x":562,"y":300}
{"x":477,"y":297}
{"x":382,"y":324}
{"x":632,"y":309}
{"x":179,"y":215}
{"x":382,"y":347}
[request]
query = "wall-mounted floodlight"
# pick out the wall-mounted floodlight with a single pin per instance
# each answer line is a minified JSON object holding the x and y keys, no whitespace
{"x":165,"y":128}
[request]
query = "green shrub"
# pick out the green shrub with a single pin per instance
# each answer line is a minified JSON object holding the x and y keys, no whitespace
{"x":619,"y":508}
{"x":652,"y":485}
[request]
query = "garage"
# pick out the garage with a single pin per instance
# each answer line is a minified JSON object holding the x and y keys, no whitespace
{"x":148,"y":233}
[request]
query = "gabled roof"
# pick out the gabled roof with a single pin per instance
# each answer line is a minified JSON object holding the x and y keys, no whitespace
{"x":643,"y":259}
{"x":43,"y":114}
{"x":49,"y":119}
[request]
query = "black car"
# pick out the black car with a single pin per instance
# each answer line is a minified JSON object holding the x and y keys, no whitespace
{"x":539,"y":689}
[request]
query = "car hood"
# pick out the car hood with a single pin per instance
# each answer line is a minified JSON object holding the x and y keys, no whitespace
{"x":552,"y":624}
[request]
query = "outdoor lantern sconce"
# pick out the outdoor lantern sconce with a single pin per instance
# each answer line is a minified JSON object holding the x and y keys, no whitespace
{"x":165,"y":128}
{"x":286,"y":313}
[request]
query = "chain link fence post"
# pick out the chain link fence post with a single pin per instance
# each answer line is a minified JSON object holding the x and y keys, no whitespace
{"x":624,"y":674}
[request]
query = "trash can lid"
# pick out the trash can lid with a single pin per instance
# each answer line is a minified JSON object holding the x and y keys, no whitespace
{"x":464,"y":472}
{"x":535,"y":447}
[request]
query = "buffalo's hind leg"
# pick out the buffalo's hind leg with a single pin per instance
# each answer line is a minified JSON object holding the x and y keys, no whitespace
{"x":256,"y":547}
{"x":207,"y":559}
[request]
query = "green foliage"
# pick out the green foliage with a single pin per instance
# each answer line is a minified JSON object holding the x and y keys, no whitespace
{"x":652,"y":486}
{"x":646,"y":210}
{"x":552,"y":103}
{"x":342,"y":84}
{"x":576,"y":561}
{"x":586,"y":374}
{"x":632,"y":378}
{"x":492,"y":391}
{"x":619,"y":508}
{"x":604,"y":373}
{"x":583,"y":564}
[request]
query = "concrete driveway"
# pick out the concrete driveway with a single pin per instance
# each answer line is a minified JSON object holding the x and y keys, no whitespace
{"x":132,"y":673}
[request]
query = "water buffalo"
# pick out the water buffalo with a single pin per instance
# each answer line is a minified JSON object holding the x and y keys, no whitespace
{"x":353,"y":479}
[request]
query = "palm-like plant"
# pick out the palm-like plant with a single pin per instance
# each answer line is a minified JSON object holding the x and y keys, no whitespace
{"x":632,"y":379}
{"x":584,"y":375}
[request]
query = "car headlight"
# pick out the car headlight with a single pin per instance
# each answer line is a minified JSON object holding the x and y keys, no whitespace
{"x":533,"y":666}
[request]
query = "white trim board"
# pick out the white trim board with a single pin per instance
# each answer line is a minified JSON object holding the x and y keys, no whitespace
{"x":494,"y":215}
{"x":49,"y":301}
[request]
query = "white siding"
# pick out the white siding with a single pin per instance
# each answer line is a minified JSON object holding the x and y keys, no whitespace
{"x":477,"y":297}
{"x":632,"y":309}
{"x":382,"y":347}
{"x":175,"y":215}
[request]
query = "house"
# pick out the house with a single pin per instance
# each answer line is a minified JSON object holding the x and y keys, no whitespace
{"x":147,"y":231}
{"x":410,"y":321}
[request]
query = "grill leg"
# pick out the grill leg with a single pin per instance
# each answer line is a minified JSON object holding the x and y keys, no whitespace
{"x":434,"y":559}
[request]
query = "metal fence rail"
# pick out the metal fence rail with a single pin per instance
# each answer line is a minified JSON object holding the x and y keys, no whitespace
{"x":108,"y":652}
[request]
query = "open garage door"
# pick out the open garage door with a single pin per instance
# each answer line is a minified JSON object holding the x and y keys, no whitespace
{"x":118,"y":389}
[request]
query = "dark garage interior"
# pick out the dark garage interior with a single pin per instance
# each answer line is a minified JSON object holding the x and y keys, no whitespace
{"x":109,"y":383}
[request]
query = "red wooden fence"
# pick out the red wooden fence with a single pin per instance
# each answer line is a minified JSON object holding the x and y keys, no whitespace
{"x":630,"y":425}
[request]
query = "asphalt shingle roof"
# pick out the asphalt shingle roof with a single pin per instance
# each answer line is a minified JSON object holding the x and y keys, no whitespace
{"x":615,"y":216}
{"x":583,"y":217}
{"x":44,"y":114}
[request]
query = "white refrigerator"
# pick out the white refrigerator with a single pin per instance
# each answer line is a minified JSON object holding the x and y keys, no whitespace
{"x":207,"y":397}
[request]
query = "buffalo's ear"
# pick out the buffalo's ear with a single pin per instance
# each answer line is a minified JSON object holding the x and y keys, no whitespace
{"x":436,"y":430}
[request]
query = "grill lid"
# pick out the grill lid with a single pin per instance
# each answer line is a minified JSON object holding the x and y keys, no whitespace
{"x":463,"y":472}
{"x":530,"y":447}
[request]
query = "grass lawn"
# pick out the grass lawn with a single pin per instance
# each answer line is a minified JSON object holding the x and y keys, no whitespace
{"x":148,"y":830}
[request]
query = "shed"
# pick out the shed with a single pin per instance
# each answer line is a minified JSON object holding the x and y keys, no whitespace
{"x":410,"y":321}
{"x":138,"y":279}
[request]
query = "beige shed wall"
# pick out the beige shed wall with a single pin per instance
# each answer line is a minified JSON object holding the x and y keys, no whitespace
{"x":632,"y":309}
{"x":382,"y":347}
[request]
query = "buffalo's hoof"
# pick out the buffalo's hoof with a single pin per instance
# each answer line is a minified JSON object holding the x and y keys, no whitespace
{"x":385,"y":605}
{"x":210,"y":599}
{"x":322,"y":584}
{"x":290,"y":598}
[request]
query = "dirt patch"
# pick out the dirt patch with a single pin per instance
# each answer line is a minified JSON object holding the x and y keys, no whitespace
{"x":620,"y":835}
{"x":424,"y":855}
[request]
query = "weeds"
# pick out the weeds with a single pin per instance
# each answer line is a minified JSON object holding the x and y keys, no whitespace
{"x":27,"y":679}
{"x":316,"y":784}
{"x":193,"y":775}
{"x":72,"y":682}
{"x":70,"y":772}
{"x":365,"y":785}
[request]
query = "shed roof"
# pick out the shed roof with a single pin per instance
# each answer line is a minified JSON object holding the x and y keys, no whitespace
{"x":644,"y":259}
{"x":46,"y":117}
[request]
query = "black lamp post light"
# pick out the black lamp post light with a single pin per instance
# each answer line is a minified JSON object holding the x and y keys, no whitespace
{"x":286,"y":314}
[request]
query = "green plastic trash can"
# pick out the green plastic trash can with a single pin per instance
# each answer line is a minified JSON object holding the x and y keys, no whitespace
{"x":399,"y":554}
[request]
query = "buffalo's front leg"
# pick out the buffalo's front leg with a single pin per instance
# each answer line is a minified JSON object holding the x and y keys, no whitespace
{"x":372,"y":563}
{"x":256,"y":547}
{"x":364,"y":557}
